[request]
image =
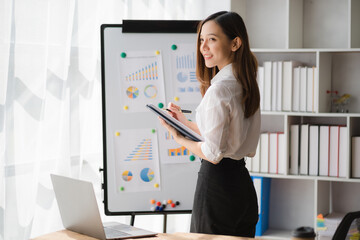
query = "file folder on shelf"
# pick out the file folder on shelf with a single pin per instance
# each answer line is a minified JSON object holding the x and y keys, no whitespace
{"x":262,"y":188}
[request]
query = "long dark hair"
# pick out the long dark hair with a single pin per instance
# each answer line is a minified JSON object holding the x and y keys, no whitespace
{"x":244,"y":61}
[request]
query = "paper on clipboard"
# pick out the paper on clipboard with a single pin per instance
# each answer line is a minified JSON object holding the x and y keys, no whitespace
{"x":184,"y":130}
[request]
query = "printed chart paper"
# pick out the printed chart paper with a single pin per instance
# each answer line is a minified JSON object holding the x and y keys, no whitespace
{"x":141,"y":80}
{"x":186,"y":86}
{"x":137,"y":160}
{"x":171,"y":152}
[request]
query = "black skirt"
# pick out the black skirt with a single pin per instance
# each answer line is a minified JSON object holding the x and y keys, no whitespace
{"x":225,"y":201}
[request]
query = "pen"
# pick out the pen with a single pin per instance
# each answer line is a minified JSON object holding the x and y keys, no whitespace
{"x":182,"y":110}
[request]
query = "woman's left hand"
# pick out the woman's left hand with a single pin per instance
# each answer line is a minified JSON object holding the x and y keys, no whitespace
{"x":176,"y":135}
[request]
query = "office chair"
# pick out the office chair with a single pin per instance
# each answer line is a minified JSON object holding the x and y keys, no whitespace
{"x":343,"y":228}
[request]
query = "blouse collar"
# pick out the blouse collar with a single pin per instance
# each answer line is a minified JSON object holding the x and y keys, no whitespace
{"x":224,"y":74}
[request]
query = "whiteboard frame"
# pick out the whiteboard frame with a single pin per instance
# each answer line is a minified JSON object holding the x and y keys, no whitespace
{"x":135,"y":26}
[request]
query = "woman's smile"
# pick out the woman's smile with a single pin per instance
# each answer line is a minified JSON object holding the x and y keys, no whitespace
{"x":207,"y":56}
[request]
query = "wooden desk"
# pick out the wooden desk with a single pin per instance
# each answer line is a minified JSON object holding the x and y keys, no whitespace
{"x":69,"y":235}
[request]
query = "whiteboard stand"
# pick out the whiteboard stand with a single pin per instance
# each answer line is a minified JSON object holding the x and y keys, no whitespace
{"x":133,"y":36}
{"x":132,"y":220}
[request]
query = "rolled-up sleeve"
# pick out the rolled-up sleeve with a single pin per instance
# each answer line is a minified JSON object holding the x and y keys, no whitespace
{"x":214,"y":115}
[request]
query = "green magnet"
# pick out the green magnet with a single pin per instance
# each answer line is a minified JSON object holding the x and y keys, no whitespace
{"x":153,"y":130}
{"x":173,"y":47}
{"x":123,"y":55}
{"x":160,"y":105}
{"x":192,"y":158}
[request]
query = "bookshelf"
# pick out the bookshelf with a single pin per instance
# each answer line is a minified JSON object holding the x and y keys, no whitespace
{"x":324,"y":34}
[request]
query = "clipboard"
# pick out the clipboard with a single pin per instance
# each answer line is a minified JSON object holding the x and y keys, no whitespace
{"x":184,"y":130}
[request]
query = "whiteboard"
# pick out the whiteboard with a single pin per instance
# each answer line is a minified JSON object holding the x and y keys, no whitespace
{"x":147,"y":62}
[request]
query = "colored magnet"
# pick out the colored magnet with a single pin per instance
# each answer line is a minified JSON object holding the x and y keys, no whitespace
{"x":122,"y":188}
{"x":173,"y":47}
{"x":157,"y":52}
{"x":169,"y":201}
{"x":156,"y":185}
{"x":123,"y":55}
{"x":126,"y":107}
{"x":153,"y":130}
{"x":192,"y":158}
{"x":158,"y":203}
{"x":176,"y":99}
{"x":177,"y":203}
{"x":117,"y":134}
{"x":160,"y":105}
{"x":152,"y":201}
{"x":173,"y":205}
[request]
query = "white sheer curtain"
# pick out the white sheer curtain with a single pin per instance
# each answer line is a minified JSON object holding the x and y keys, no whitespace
{"x":50,"y":98}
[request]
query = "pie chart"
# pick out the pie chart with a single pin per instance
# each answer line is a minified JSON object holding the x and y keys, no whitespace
{"x":132,"y":92}
{"x":181,"y":77}
{"x":127,"y":175}
{"x":147,"y":174}
{"x":150,"y":91}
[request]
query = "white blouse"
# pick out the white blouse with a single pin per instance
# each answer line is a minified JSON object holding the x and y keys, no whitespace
{"x":220,"y":119}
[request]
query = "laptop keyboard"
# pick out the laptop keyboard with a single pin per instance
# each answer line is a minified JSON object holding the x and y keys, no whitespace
{"x":112,"y":233}
{"x":121,"y":227}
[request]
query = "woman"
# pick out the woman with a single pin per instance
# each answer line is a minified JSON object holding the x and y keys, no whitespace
{"x":228,"y":118}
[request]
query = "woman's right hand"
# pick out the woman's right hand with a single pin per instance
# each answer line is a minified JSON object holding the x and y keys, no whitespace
{"x":176,"y":113}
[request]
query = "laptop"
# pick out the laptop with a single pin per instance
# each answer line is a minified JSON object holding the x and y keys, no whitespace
{"x":80,"y":213}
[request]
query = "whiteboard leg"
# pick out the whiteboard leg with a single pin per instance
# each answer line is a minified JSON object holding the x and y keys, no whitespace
{"x":165,"y":221}
{"x":132,"y":219}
